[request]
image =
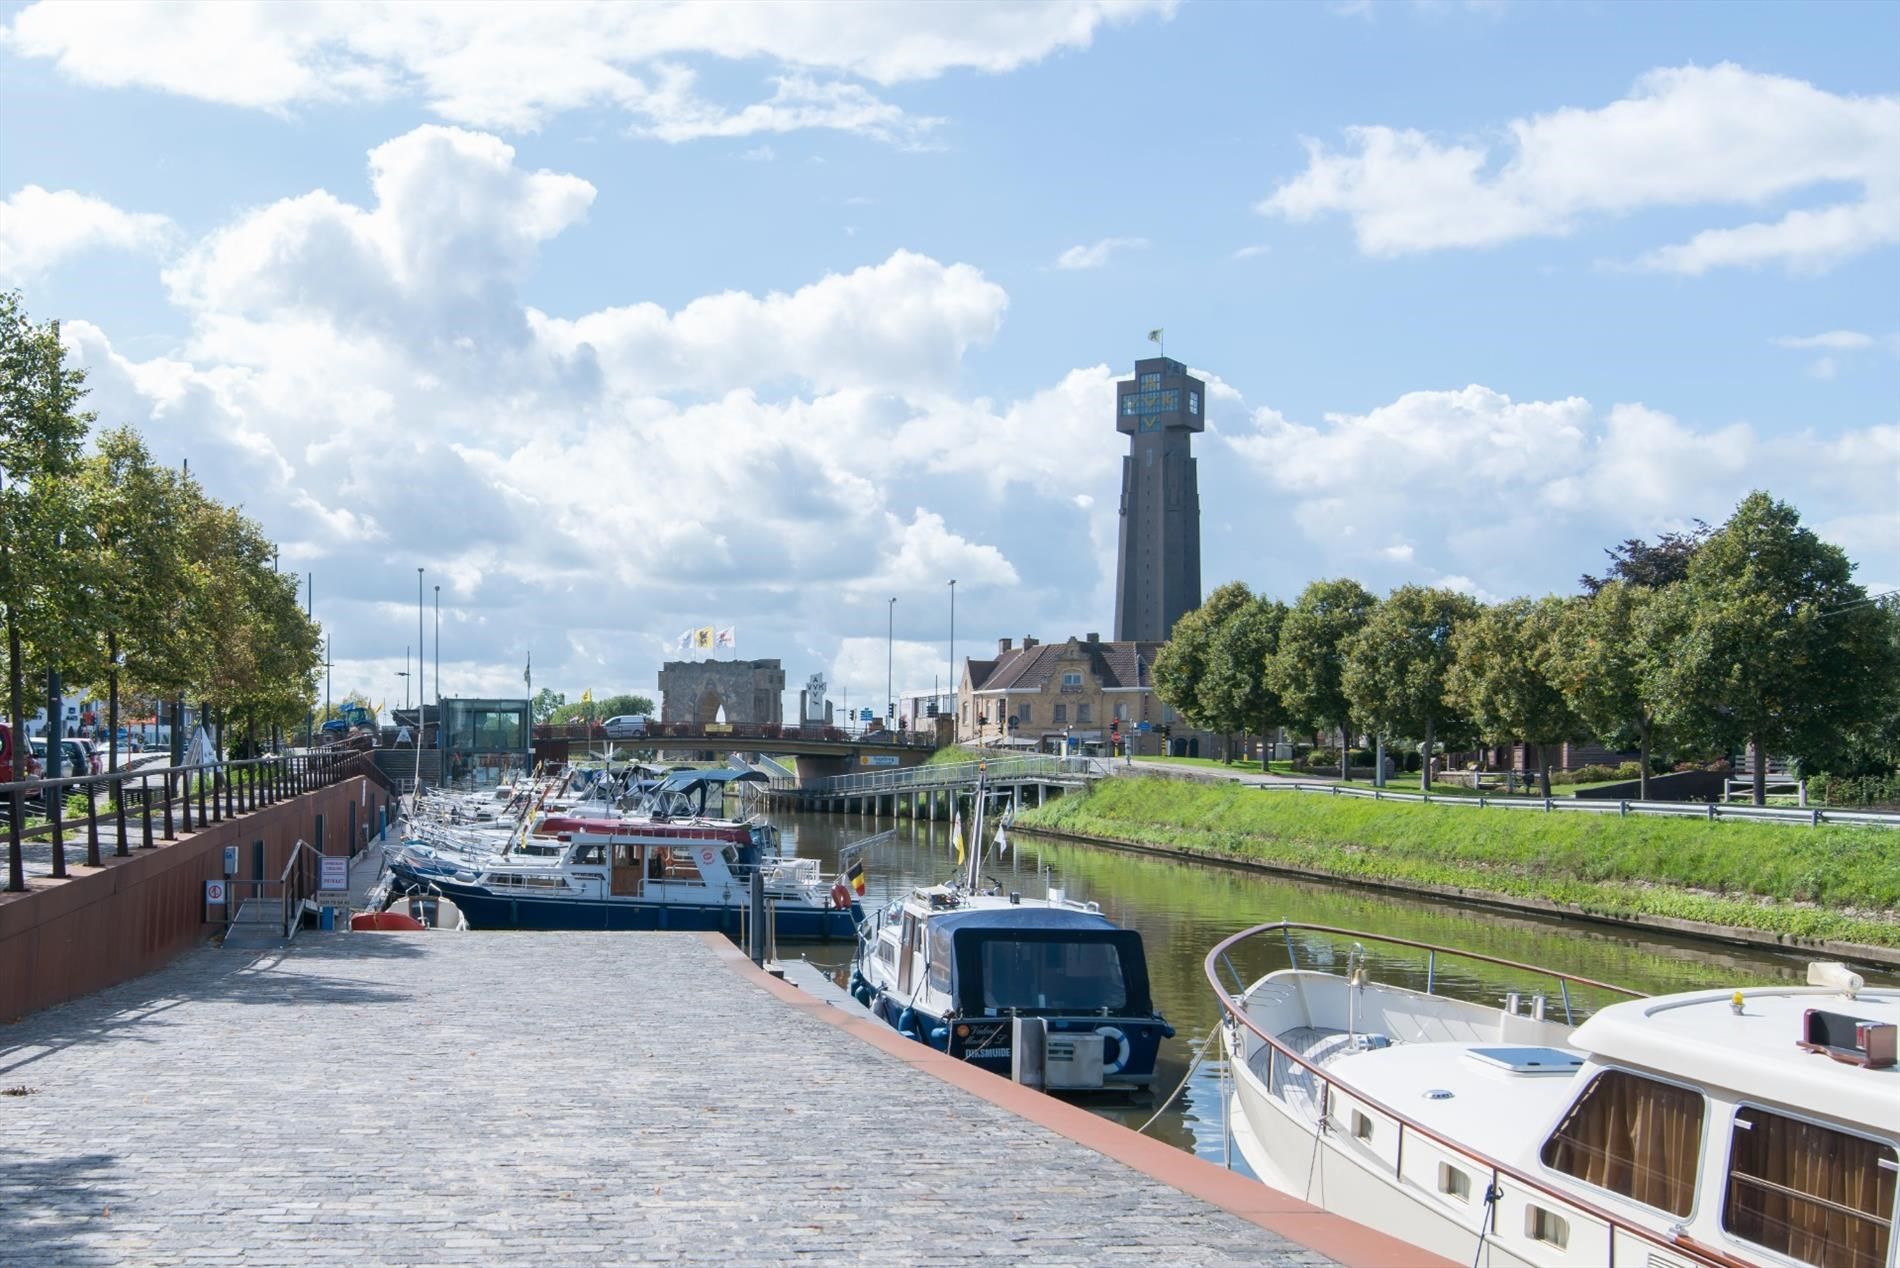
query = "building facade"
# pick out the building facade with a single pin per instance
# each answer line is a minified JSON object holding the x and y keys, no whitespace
{"x":1057,"y":697}
{"x":1158,"y":573}
{"x":722,"y":691}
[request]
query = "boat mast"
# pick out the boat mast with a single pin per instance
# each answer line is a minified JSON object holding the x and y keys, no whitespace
{"x":976,"y":834}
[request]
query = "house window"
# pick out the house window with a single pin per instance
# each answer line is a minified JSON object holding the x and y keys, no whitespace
{"x":1025,"y":712}
{"x":1809,"y":1192}
{"x":1121,"y":712}
{"x":1062,"y":714}
{"x":1072,"y":680}
{"x":1081,"y":713}
{"x":1633,"y":1136}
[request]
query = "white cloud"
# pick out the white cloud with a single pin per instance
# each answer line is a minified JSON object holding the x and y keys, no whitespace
{"x":516,"y":66}
{"x":760,"y":154}
{"x":1249,"y":252}
{"x":1832,"y":340}
{"x":1470,"y":486}
{"x":40,"y":227}
{"x":1095,"y":255}
{"x":1685,"y":136}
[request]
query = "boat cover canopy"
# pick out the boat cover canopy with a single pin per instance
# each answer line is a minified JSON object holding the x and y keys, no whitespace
{"x":684,"y":780}
{"x":1039,"y":960}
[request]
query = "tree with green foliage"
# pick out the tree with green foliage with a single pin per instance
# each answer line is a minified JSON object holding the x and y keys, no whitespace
{"x":1181,"y":663}
{"x":1234,"y":692}
{"x":1650,"y":567}
{"x":1604,"y":648}
{"x":598,"y":710}
{"x":42,"y":542}
{"x":1396,"y":667}
{"x":1307,"y":669}
{"x":1776,"y":646}
{"x":1501,"y":677}
{"x":544,"y":704}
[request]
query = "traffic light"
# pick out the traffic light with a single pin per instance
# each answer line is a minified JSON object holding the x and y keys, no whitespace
{"x":1166,"y":731}
{"x":890,"y":710}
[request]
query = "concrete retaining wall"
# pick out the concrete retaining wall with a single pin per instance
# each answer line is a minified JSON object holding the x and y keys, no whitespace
{"x":63,"y":939}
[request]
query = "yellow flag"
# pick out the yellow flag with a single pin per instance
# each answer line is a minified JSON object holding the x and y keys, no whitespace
{"x":703,"y":638}
{"x":587,"y":696}
{"x":956,"y":836}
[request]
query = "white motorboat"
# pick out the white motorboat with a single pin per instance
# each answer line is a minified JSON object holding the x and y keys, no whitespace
{"x":1715,"y":1128}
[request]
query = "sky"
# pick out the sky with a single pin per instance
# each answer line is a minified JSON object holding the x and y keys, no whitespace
{"x":624,"y":320}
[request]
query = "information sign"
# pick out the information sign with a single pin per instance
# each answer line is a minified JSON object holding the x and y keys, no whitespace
{"x":1144,"y":727}
{"x":335,"y":874}
{"x":230,"y":860}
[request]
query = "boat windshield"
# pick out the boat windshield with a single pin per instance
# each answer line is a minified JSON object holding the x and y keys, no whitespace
{"x":1067,"y":976}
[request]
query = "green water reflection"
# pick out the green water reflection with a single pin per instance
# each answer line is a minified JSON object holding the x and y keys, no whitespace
{"x":1182,"y":908}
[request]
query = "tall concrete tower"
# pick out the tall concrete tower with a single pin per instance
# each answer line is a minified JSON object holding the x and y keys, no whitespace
{"x":1158,"y":578}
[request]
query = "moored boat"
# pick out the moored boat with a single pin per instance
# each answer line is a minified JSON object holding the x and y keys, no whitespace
{"x":955,"y":966}
{"x":1700,"y":1128}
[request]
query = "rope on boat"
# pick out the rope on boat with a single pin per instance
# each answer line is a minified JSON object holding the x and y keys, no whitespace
{"x":1192,"y":1066}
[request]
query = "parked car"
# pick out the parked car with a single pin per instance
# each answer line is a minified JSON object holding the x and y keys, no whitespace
{"x":77,"y":756}
{"x":626,"y":726}
{"x":7,"y":772}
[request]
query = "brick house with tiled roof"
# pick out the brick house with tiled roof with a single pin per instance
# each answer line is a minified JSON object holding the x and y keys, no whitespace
{"x":1051,"y":695}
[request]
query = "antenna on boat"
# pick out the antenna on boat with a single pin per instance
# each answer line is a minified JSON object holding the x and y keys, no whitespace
{"x":976,"y":835}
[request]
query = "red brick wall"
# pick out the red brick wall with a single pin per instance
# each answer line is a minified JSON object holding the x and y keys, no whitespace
{"x":63,"y":939}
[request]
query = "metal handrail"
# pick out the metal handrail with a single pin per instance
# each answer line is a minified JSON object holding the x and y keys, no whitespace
{"x":223,"y":789}
{"x":957,"y":775}
{"x":1812,"y":816}
{"x":1235,"y":1014}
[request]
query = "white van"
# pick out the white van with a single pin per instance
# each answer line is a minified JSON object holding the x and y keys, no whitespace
{"x":626,"y":726}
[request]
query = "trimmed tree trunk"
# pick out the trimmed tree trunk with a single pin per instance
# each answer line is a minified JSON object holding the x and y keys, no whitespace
{"x":1642,"y":779}
{"x":112,"y":704}
{"x":16,"y":699}
{"x":1543,"y":771}
{"x":1345,"y":755}
{"x":1425,"y":761}
{"x":1266,"y":745}
{"x":1759,"y":776}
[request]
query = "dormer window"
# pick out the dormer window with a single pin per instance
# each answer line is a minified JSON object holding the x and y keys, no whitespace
{"x":1072,"y":680}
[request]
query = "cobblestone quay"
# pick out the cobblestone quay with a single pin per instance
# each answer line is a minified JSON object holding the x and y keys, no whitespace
{"x":526,"y":1098}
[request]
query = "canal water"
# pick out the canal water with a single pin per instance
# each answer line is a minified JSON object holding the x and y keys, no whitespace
{"x":1183,"y":908}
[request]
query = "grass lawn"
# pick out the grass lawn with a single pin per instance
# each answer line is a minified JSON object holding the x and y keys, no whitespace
{"x":1829,"y":882}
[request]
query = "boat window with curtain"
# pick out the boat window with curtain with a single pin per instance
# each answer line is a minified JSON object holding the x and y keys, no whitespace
{"x":1809,"y":1192}
{"x":1633,"y":1136}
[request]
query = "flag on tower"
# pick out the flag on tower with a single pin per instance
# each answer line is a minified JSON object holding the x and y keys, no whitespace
{"x":703,"y":638}
{"x":728,"y":637}
{"x":685,"y":643}
{"x":1154,"y":336}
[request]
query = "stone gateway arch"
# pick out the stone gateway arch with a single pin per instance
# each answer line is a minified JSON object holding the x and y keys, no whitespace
{"x":748,"y":691}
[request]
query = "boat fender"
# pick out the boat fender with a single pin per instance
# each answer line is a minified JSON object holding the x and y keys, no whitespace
{"x":940,"y":1037}
{"x":841,"y":896}
{"x":1121,"y":1049}
{"x":907,"y":1024}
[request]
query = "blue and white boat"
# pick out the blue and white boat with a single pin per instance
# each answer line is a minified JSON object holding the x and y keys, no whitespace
{"x":954,"y":966}
{"x":664,"y":871}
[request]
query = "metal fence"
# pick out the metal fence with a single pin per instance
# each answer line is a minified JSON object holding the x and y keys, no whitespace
{"x":1811,"y":816}
{"x":147,"y":804}
{"x":1001,"y":770}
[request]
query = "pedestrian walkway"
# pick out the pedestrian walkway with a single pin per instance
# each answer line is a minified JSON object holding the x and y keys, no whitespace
{"x":529,"y":1098}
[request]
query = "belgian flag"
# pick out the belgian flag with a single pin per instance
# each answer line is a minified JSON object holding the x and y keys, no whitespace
{"x":855,"y":874}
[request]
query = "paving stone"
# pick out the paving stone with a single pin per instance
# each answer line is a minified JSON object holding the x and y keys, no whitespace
{"x":524,"y":1098}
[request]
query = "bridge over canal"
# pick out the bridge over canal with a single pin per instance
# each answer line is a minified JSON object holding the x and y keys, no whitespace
{"x":820,"y":752}
{"x":929,"y":792}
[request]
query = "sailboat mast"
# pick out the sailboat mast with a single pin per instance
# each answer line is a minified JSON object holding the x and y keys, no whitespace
{"x":976,"y":833}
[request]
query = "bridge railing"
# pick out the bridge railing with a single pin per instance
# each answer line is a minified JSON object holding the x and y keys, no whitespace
{"x":725,"y":732}
{"x":1000,"y":770}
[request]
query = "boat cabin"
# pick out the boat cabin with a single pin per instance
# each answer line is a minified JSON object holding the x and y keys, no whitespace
{"x":1001,"y":961}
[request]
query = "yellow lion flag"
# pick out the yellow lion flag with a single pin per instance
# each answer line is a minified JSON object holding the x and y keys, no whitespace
{"x":703,"y":638}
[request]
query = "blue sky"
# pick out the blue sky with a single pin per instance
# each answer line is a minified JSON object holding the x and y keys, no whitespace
{"x":624,"y":320}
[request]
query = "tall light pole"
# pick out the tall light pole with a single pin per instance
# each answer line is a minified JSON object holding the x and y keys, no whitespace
{"x":425,"y":684}
{"x":438,"y":673}
{"x":953,"y":652}
{"x":890,"y":660}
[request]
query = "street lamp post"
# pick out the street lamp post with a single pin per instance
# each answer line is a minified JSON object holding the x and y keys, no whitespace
{"x":424,"y":683}
{"x":438,"y":671}
{"x":890,"y":660}
{"x":955,"y":718}
{"x":404,"y":675}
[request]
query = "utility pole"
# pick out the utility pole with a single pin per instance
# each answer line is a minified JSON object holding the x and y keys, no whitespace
{"x":438,"y":672}
{"x":954,"y":719}
{"x":890,"y":654}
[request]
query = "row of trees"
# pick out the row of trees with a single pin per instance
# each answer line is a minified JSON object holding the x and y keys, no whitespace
{"x":124,"y":576}
{"x":1703,"y":642}
{"x":552,"y":706}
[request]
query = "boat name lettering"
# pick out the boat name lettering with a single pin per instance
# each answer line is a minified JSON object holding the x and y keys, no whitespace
{"x":984,"y":1054}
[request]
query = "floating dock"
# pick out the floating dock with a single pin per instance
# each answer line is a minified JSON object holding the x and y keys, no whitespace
{"x":542,"y":1098}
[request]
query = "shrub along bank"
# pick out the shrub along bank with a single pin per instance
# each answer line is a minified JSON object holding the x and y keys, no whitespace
{"x":1838,"y":883}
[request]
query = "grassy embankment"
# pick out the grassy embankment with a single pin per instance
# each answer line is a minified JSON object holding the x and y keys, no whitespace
{"x":1402,"y":781}
{"x":1831,"y":882}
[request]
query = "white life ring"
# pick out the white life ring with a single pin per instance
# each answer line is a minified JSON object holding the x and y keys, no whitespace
{"x":1121,"y":1049}
{"x":706,"y":856}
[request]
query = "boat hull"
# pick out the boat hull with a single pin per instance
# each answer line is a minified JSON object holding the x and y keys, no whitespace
{"x":1133,"y":1043}
{"x":485,"y":909}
